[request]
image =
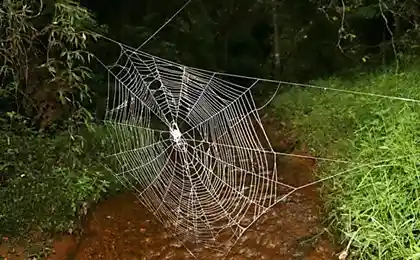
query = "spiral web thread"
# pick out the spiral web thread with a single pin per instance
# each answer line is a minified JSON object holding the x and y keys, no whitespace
{"x":193,"y":147}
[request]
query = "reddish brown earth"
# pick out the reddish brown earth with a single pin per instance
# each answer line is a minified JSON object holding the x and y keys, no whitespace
{"x":122,"y":229}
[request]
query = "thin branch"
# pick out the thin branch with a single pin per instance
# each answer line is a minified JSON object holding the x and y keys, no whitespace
{"x":381,"y":5}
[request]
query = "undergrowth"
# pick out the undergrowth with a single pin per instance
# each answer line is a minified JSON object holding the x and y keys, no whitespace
{"x":375,"y":203}
{"x":47,"y":182}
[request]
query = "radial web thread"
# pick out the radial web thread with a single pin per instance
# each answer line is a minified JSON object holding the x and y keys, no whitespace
{"x":193,"y":146}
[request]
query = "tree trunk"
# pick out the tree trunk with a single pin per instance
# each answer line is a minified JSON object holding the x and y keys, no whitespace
{"x":276,"y":50}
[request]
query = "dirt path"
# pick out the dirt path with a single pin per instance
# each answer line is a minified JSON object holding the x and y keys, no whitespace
{"x":121,"y":228}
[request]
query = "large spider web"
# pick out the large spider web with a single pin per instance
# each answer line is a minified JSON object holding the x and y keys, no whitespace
{"x":193,"y":147}
{"x":192,"y":144}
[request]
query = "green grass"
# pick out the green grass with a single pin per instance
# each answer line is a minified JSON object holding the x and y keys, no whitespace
{"x":46,"y":181}
{"x":376,"y":207}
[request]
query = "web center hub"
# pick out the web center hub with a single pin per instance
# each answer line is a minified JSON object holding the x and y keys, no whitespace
{"x":177,"y":136}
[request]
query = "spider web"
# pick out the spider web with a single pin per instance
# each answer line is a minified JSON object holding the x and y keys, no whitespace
{"x":193,"y":147}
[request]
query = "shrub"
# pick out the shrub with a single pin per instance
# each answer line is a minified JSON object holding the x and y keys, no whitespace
{"x":43,"y":55}
{"x":48,"y":181}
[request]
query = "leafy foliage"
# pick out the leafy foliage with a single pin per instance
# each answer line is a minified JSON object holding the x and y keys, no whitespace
{"x":43,"y":55}
{"x":46,"y":181}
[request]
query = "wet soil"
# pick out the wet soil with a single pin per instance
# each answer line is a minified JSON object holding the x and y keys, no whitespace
{"x":121,"y":228}
{"x":38,"y":247}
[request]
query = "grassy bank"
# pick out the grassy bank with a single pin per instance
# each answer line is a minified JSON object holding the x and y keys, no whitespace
{"x":48,"y":181}
{"x":375,"y":205}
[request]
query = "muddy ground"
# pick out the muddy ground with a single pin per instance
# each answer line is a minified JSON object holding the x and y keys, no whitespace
{"x":122,"y":229}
